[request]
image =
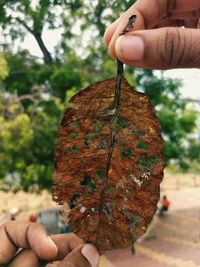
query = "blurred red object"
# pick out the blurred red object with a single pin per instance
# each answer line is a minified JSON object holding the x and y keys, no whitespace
{"x":32,"y":218}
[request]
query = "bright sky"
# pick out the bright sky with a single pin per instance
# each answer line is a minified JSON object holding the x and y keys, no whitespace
{"x":189,"y":77}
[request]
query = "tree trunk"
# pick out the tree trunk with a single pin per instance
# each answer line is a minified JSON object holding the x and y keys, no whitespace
{"x":47,"y":56}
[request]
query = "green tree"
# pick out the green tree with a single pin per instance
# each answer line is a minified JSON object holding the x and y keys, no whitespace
{"x":177,"y":121}
{"x":33,"y":93}
{"x":21,"y":79}
{"x":20,"y":17}
{"x":27,"y":139}
{"x":4,"y":71}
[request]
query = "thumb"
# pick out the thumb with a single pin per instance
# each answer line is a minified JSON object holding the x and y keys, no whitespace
{"x":83,"y":256}
{"x":163,"y":48}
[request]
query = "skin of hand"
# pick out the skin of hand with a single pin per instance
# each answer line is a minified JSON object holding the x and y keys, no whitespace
{"x":166,"y":35}
{"x":38,"y":249}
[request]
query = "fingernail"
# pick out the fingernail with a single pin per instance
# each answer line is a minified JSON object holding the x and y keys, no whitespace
{"x":130,"y":48}
{"x":52,"y":243}
{"x":91,"y":254}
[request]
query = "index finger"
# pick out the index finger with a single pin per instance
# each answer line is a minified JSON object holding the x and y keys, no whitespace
{"x":64,"y":242}
{"x":149,"y":13}
{"x":15,"y":235}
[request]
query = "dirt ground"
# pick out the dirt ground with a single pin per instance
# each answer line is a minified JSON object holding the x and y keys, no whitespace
{"x":26,"y":203}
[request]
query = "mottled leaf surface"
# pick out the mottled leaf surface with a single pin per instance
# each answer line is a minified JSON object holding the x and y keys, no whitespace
{"x":109,"y":208}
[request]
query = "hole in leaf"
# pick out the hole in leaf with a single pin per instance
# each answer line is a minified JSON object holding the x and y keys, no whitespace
{"x":126,"y":153}
{"x":110,"y":188}
{"x":121,"y":123}
{"x":89,"y":137}
{"x":137,"y":219}
{"x":95,"y":210}
{"x":107,"y":209}
{"x":83,"y":209}
{"x":139,"y":133}
{"x":75,"y":122}
{"x":142,"y":145}
{"x":73,"y":149}
{"x":155,"y":159}
{"x":89,"y":182}
{"x":73,"y":200}
{"x":86,"y":144}
{"x":121,"y":144}
{"x":147,"y":163}
{"x":100,"y":174}
{"x":65,"y":150}
{"x":98,"y":127}
{"x":74,"y":135}
{"x":102,"y":144}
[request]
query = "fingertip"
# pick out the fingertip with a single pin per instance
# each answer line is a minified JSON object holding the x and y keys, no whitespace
{"x":109,"y":33}
{"x":106,"y":37}
{"x":91,"y":254}
{"x":111,"y":50}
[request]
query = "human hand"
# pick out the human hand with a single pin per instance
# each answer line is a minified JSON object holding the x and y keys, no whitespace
{"x":38,"y":249}
{"x":158,"y":40}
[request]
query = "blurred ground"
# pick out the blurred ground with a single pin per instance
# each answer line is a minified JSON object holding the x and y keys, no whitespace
{"x":173,"y":240}
{"x":27,"y":203}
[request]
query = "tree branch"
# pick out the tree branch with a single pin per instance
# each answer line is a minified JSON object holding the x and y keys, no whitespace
{"x":47,"y":56}
{"x":24,"y":24}
{"x":38,"y":37}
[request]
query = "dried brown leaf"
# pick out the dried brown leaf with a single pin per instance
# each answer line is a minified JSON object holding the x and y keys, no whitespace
{"x":113,"y":202}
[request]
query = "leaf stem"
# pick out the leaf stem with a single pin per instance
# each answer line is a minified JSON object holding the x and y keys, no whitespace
{"x":113,"y":127}
{"x":120,"y":72}
{"x":120,"y":67}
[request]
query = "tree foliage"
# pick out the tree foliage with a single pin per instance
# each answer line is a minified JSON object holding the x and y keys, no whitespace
{"x":34,"y":92}
{"x":176,"y":119}
{"x":4,"y":71}
{"x":27,"y":139}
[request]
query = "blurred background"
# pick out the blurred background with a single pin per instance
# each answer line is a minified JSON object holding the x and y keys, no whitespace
{"x":49,"y":51}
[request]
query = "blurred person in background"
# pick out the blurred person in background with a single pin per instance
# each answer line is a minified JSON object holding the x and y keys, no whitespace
{"x":32,"y":217}
{"x":164,"y":206}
